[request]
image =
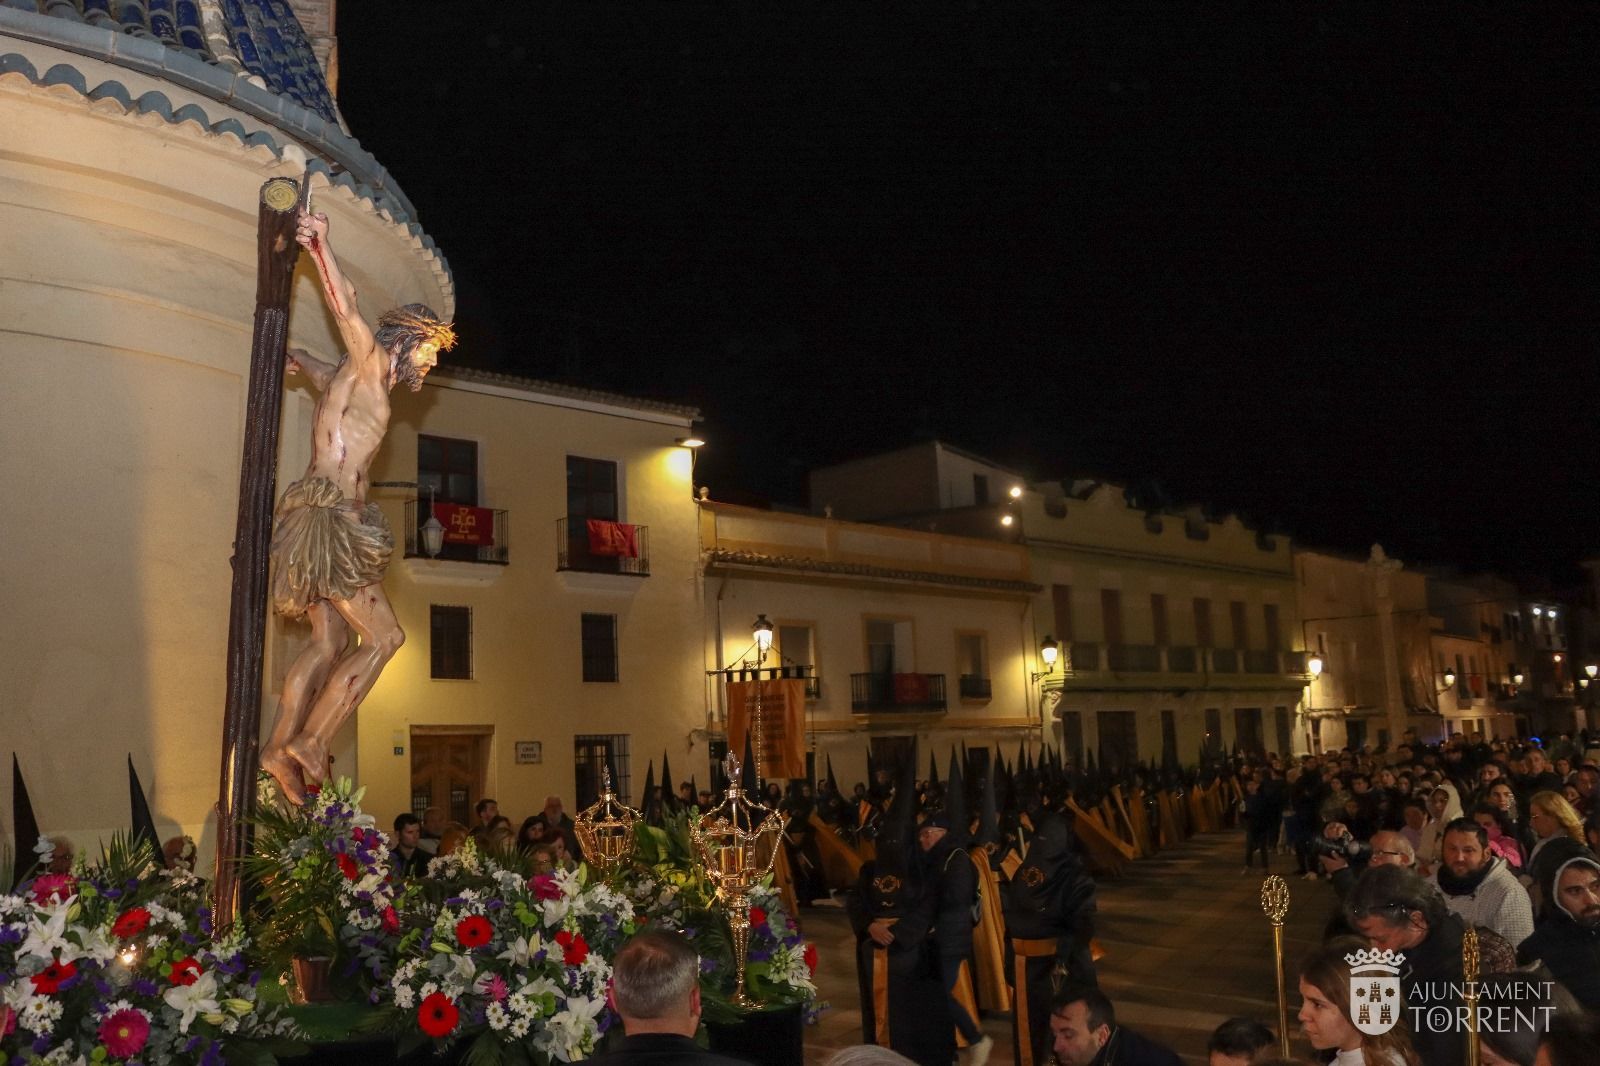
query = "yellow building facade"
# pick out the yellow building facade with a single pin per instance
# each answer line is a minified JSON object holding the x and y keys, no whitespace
{"x":1178,"y":634}
{"x":531,"y":660}
{"x":910,"y":640}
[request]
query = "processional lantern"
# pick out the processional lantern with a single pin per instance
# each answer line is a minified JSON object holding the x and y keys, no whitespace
{"x":605,"y":828}
{"x":737,"y":842}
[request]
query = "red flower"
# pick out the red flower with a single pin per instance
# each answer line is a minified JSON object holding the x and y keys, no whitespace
{"x":391,"y":920}
{"x":758,"y":916}
{"x":474,"y":931}
{"x":544,"y":887}
{"x":438,"y":1016}
{"x":573,"y":948}
{"x":810,"y":957}
{"x":186,"y":971}
{"x":124,"y":1033}
{"x":48,"y":982}
{"x":347,"y":866}
{"x":8,"y":1021}
{"x":130,"y":923}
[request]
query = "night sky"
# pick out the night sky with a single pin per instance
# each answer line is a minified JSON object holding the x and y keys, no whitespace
{"x":1332,"y":270}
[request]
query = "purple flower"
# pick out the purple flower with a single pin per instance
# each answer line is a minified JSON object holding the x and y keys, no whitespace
{"x":9,"y":935}
{"x":708,"y":965}
{"x":111,"y":893}
{"x":143,"y":986}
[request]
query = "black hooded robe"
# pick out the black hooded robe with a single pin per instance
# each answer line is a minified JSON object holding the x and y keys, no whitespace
{"x":903,"y":1004}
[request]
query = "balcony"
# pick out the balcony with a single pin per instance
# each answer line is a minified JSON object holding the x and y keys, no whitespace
{"x":974,"y":687}
{"x":620,"y":549}
{"x":1224,"y":661}
{"x":1183,"y":659}
{"x":1260,"y":661}
{"x":1295,"y":662}
{"x":1085,"y":658}
{"x":896,"y":693}
{"x":1133,"y":658}
{"x":471,"y":534}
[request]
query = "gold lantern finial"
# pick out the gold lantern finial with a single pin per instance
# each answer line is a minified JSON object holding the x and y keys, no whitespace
{"x":605,"y":828}
{"x":737,"y":842}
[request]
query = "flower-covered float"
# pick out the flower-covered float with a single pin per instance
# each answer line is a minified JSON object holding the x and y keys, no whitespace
{"x":484,"y":958}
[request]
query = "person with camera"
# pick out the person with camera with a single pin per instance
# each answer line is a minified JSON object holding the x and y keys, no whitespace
{"x":1342,"y":855}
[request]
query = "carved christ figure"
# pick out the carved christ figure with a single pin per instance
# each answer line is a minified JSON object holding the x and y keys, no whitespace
{"x":330,"y":545}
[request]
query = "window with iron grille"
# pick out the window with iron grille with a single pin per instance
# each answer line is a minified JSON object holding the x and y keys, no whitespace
{"x":450,"y":643}
{"x":593,"y":751}
{"x":599,"y":647}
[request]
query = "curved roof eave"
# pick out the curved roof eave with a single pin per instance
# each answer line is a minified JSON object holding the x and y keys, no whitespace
{"x":337,"y":155}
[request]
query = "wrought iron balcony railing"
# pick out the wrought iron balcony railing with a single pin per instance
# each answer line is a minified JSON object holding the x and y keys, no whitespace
{"x":896,"y":693}
{"x":615,"y":548}
{"x":493,"y":545}
{"x":974,"y":687}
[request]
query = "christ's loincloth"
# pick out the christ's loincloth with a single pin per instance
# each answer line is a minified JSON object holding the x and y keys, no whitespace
{"x":325,"y":547}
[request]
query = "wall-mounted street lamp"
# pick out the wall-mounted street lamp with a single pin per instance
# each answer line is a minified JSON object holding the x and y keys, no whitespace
{"x":690,"y":441}
{"x":432,"y":530}
{"x":1518,"y":678}
{"x":1007,"y":520}
{"x":1449,"y":679}
{"x":1315,"y":665}
{"x":1016,"y":492}
{"x":761,"y":630}
{"x":1591,"y":669}
{"x":1049,"y":650}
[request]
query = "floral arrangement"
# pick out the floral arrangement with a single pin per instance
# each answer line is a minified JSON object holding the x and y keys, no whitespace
{"x":118,"y":962}
{"x":324,"y":868}
{"x":518,"y":965}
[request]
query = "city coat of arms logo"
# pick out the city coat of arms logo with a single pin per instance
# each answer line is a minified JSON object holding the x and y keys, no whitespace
{"x":1375,"y":990}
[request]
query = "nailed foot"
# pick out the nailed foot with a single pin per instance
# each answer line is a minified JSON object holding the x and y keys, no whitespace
{"x":286,"y":772}
{"x":312,"y":755}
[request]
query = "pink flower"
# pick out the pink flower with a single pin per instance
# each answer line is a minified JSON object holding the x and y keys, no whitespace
{"x":8,"y":1020}
{"x":62,"y":886}
{"x":124,"y":1033}
{"x":494,"y":986}
{"x":545,"y":887}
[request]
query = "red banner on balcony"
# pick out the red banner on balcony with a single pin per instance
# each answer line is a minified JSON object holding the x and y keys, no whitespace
{"x":613,"y":538}
{"x":783,"y":725}
{"x":465,"y":525}
{"x":912,"y":688}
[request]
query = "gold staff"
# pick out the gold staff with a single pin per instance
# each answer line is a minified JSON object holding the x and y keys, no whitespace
{"x":1275,"y":902}
{"x":1469,"y":974}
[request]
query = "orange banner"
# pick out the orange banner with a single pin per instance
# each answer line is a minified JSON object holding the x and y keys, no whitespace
{"x":783,"y":724}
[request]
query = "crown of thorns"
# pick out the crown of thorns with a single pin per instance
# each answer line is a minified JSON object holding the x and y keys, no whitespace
{"x":425,"y":328}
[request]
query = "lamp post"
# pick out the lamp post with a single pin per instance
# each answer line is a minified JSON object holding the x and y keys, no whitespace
{"x":432,"y":531}
{"x":1049,"y":650}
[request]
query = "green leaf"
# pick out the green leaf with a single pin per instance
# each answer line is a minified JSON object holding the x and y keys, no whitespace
{"x":486,"y":1050}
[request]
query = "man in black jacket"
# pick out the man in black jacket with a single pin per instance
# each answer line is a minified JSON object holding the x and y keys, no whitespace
{"x":1567,"y":938}
{"x":1084,"y":1032}
{"x":655,"y":988}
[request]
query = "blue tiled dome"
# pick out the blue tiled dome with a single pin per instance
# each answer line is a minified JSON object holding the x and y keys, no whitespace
{"x":263,"y":37}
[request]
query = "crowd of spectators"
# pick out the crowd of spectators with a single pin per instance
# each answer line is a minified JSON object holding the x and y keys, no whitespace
{"x":547,"y":838}
{"x":1421,"y":845}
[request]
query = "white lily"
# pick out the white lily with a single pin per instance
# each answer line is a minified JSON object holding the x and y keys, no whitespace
{"x":48,"y":937}
{"x":190,"y":1000}
{"x":519,"y":952}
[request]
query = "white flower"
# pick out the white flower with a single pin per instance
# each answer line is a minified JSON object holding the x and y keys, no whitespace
{"x":404,"y":998}
{"x":190,"y":1000}
{"x":569,"y":1034}
{"x":40,"y":1015}
{"x":518,"y":952}
{"x":46,"y":938}
{"x":496,"y":1016}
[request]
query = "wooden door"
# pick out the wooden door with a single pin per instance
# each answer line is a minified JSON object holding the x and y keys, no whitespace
{"x":449,"y":771}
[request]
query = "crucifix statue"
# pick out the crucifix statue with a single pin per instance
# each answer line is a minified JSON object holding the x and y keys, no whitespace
{"x":330,"y":544}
